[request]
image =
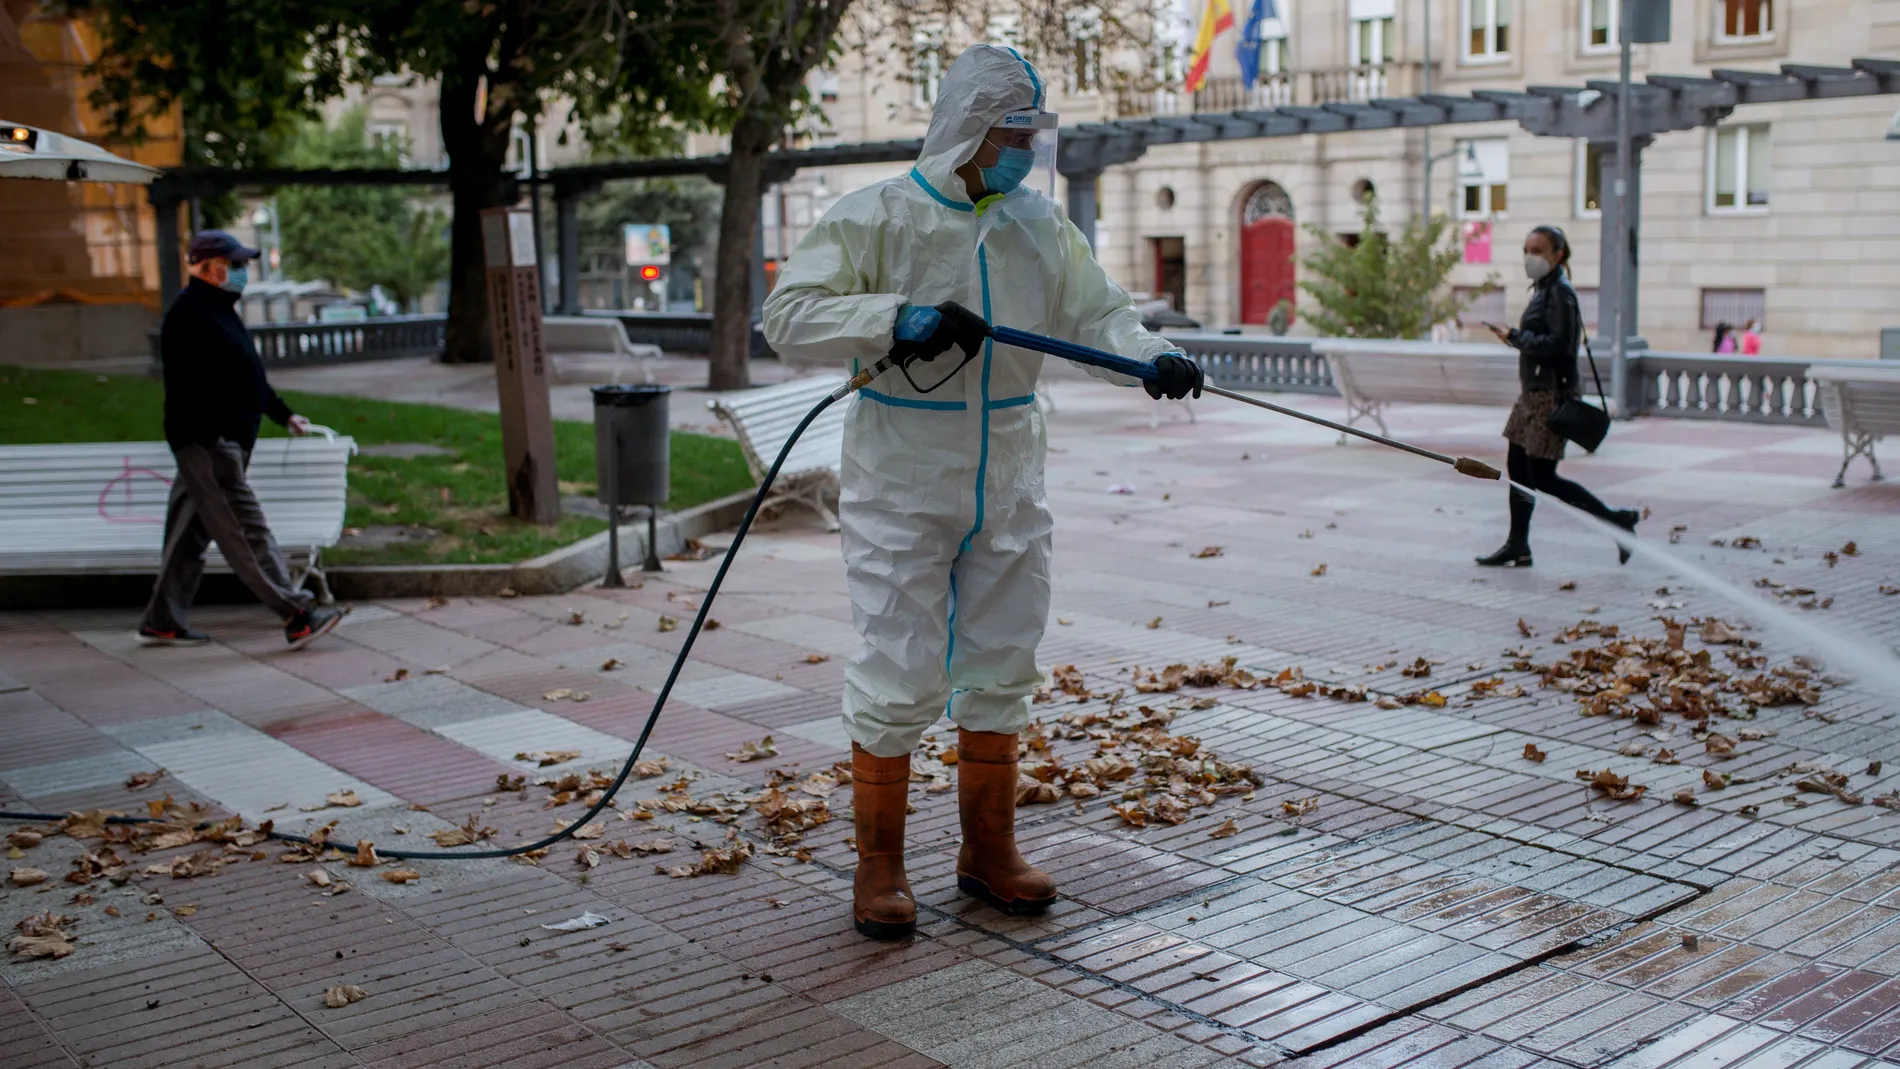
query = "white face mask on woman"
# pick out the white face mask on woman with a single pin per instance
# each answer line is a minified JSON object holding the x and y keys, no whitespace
{"x":1537,"y":267}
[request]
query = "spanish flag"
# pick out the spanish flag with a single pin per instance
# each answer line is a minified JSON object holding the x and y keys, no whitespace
{"x":1217,"y":18}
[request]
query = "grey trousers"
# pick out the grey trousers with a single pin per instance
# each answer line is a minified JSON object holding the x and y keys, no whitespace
{"x":212,"y":502}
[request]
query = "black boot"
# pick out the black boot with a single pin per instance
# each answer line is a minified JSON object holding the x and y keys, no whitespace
{"x":1513,"y":554}
{"x":1516,"y":551}
{"x":1627,"y":520}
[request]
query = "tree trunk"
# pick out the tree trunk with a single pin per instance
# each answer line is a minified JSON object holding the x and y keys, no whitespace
{"x":478,"y":149}
{"x":732,"y":280}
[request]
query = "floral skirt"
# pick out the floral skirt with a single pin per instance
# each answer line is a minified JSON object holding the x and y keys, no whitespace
{"x":1529,"y":425}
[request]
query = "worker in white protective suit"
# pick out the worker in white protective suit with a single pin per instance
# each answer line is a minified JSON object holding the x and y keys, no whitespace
{"x":946,"y":533}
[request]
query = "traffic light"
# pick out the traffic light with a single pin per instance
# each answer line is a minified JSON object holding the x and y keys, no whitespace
{"x":649,"y":272}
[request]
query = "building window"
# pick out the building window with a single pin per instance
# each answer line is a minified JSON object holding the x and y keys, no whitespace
{"x":1085,"y":51}
{"x":390,"y":137}
{"x":1589,"y":180}
{"x":1734,"y":307}
{"x":1487,"y":29}
{"x":926,"y":68}
{"x":1485,"y":184}
{"x":1744,"y":21}
{"x":1738,"y":169}
{"x":1600,"y":24}
{"x":1372,"y":37}
{"x":828,"y":86}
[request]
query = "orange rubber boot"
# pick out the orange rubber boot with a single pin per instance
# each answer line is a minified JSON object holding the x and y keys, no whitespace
{"x":881,"y":903}
{"x":989,"y":866}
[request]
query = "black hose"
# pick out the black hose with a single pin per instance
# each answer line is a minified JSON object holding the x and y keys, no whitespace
{"x":659,"y":703}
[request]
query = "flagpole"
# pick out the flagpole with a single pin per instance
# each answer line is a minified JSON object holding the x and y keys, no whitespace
{"x":1427,"y":128}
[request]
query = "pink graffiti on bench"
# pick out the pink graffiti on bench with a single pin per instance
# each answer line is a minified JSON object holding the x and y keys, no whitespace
{"x":124,"y":481}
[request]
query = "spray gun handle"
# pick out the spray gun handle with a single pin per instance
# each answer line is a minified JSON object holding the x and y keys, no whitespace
{"x":1081,"y":354}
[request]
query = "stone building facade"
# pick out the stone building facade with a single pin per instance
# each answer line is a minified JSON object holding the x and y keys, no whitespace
{"x":1789,"y":213}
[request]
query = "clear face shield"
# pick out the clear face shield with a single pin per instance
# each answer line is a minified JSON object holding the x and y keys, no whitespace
{"x":1035,"y":131}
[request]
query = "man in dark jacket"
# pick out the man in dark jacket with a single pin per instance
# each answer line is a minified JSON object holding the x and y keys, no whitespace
{"x":216,"y":396}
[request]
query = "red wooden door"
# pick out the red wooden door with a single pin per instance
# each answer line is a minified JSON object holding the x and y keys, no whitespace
{"x":1266,"y":266}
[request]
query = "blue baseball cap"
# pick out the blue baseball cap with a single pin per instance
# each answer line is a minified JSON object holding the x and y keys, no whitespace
{"x":215,"y":244}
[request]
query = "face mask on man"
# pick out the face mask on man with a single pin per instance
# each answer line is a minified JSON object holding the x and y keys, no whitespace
{"x":235,"y":279}
{"x":1012,"y":166}
{"x":1537,"y":267}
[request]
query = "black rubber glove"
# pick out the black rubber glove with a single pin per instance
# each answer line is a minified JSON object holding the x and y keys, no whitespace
{"x":956,"y":325}
{"x":1178,"y":377}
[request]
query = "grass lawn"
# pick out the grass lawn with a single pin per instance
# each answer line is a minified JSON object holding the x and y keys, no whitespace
{"x":462,"y":496}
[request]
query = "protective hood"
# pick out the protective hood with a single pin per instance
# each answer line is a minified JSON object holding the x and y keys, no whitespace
{"x":985,"y":83}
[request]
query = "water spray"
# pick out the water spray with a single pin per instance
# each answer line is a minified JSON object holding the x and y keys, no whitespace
{"x":1146,"y":372}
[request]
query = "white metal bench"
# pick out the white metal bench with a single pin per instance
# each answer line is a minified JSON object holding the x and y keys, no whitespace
{"x":764,"y":418}
{"x":585,"y":348}
{"x":100,"y":506}
{"x":1863,"y":403}
{"x":1373,"y":373}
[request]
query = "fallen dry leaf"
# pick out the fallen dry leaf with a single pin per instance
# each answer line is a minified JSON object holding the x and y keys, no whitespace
{"x":1686,"y":796}
{"x":365,"y":856}
{"x":1532,"y":753}
{"x":1031,"y":791}
{"x":576,"y":617}
{"x":544,"y":758}
{"x":754,"y":751}
{"x":143,"y":779}
{"x":816,"y":658}
{"x":24,"y":838}
{"x":402,"y":875}
{"x":668,"y":623}
{"x":1318,"y":569}
{"x":1568,"y":584}
{"x":651,"y":767}
{"x":558,"y":694}
{"x":342,"y":995}
{"x":397,"y":676}
{"x":1154,"y":624}
{"x":26,"y":877}
{"x":1228,"y":828}
{"x":610,"y":664}
{"x":1524,"y":628}
{"x":1300,"y":807}
{"x":346,"y":799}
{"x":42,"y":935}
{"x":1209,"y":551}
{"x":320,"y":877}
{"x":724,"y":860}
{"x":1718,"y":745}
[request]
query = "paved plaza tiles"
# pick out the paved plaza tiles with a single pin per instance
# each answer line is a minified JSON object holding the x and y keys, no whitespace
{"x":1404,"y":887}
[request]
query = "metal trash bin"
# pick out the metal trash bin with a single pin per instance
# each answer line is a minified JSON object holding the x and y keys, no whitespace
{"x":631,"y":462}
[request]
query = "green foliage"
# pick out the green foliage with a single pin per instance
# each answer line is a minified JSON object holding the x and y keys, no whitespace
{"x":1382,"y":287}
{"x":359,"y":236}
{"x":463,"y":495}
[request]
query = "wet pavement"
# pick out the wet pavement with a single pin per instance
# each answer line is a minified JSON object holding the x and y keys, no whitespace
{"x":1404,"y":885}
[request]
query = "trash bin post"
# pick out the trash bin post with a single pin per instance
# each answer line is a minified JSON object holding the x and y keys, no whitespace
{"x":631,"y":446}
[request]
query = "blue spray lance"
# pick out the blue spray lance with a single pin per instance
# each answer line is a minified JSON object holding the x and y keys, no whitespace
{"x":1144,"y":371}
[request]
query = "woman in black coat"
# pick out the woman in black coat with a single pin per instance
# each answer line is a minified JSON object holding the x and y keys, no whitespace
{"x":1546,"y":340}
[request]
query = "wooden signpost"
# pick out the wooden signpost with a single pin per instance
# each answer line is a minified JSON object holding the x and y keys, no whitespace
{"x":521,"y":366}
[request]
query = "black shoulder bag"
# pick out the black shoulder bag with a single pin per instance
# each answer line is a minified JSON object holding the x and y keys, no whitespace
{"x":1576,"y":419}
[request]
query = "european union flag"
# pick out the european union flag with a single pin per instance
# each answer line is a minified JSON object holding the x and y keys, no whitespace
{"x":1248,"y":50}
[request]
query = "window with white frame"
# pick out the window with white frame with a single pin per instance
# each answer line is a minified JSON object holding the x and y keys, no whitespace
{"x":926,"y":49}
{"x":390,"y":135}
{"x":1370,"y":43}
{"x":828,"y":86}
{"x":1589,"y":180}
{"x":1487,"y":180}
{"x":1739,"y":161}
{"x":1487,"y":29}
{"x":1734,"y":307}
{"x":1740,"y":21}
{"x":1601,"y":20}
{"x":1085,"y":51}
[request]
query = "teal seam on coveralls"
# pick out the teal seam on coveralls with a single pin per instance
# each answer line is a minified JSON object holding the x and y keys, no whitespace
{"x":905,"y":402}
{"x":918,"y":177}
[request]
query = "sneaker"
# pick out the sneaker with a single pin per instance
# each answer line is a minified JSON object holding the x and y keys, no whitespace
{"x":309,"y":625}
{"x":184,"y":636}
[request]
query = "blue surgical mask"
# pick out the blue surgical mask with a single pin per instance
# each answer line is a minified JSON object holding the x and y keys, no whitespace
{"x":235,"y":279}
{"x":1012,"y":166}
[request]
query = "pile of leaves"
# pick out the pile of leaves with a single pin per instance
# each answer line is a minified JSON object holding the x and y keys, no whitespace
{"x":1156,"y":776}
{"x":1647,"y":679}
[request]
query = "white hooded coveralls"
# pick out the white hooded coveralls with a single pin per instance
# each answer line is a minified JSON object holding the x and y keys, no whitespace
{"x":946,"y":531}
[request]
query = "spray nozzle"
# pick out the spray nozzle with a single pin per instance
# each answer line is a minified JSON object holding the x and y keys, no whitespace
{"x":1477,"y":469}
